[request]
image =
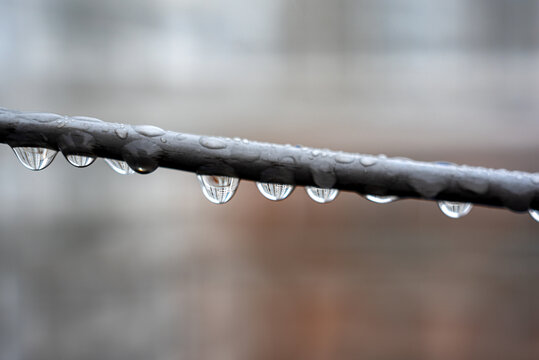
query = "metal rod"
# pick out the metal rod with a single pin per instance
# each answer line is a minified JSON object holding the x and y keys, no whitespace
{"x":146,"y":147}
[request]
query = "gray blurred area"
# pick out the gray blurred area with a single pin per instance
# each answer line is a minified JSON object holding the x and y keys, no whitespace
{"x":94,"y":265}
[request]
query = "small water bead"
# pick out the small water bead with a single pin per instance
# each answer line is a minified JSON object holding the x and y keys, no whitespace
{"x":35,"y":158}
{"x":273,"y":191}
{"x":121,"y":132}
{"x":320,"y":195}
{"x":212,"y":143}
{"x":61,"y":123}
{"x":218,"y":189}
{"x":149,"y":130}
{"x":119,"y":166}
{"x":368,"y":161}
{"x":80,"y":161}
{"x":455,"y":210}
{"x":534,"y":214}
{"x":344,"y":158}
{"x":381,"y":199}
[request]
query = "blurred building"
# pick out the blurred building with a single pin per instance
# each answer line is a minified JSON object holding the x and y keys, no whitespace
{"x":96,"y":265}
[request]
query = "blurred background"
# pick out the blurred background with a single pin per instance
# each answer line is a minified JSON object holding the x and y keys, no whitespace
{"x":94,"y":265}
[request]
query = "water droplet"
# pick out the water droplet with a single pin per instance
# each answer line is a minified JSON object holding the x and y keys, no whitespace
{"x":245,"y":141}
{"x":344,"y":158}
{"x":288,"y":160}
{"x":35,"y":158}
{"x":534,"y":214}
{"x":87,"y":118}
{"x":381,"y":199}
{"x":163,"y":140}
{"x":80,"y":160}
{"x":212,"y":143}
{"x":119,"y":166}
{"x":149,"y":130}
{"x":367,"y":161}
{"x":453,"y":209}
{"x":535,"y":178}
{"x":43,"y":117}
{"x":273,"y":191}
{"x":60,"y":123}
{"x":315,"y":152}
{"x":320,"y":195}
{"x":121,"y":132}
{"x":218,"y":189}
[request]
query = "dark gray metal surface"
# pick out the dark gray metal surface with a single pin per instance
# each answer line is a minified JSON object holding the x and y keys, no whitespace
{"x":147,"y":147}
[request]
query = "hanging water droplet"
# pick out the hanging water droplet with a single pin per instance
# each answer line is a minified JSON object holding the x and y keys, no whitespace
{"x":534,"y":214}
{"x":320,"y":195}
{"x":218,"y":189}
{"x":119,"y":166}
{"x":80,"y":161}
{"x":273,"y":191}
{"x":35,"y":158}
{"x":381,"y":199}
{"x":455,"y":210}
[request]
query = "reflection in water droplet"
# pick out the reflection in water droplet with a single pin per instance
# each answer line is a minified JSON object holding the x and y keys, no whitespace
{"x":35,"y":158}
{"x":534,"y":214}
{"x":80,"y":160}
{"x":381,"y":199}
{"x":119,"y":166}
{"x":121,"y":132}
{"x":218,"y":189}
{"x":273,"y":191}
{"x":320,"y":195}
{"x":455,"y":210}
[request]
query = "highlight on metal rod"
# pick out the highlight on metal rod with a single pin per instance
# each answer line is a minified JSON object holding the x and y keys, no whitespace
{"x":36,"y":137}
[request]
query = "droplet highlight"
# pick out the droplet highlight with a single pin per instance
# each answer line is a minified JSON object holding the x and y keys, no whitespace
{"x":273,"y":191}
{"x":80,"y":161}
{"x":119,"y":166}
{"x":218,"y":189}
{"x":455,"y":210}
{"x":381,"y":199}
{"x":35,"y":158}
{"x":534,"y":214}
{"x":320,"y":195}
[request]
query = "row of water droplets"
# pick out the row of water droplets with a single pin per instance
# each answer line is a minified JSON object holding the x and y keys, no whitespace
{"x":37,"y":158}
{"x":220,"y":189}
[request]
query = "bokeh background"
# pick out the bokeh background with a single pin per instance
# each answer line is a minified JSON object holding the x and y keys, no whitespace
{"x":94,"y":265}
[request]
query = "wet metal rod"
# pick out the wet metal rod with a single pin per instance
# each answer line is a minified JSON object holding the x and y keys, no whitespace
{"x":146,"y":147}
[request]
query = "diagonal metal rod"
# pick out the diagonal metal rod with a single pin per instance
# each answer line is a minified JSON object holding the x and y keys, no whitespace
{"x":146,"y":148}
